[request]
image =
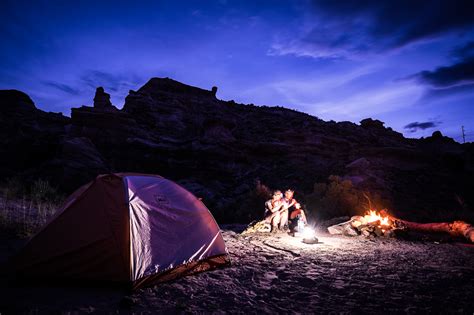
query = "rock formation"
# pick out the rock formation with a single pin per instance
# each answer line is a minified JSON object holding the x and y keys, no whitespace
{"x":219,"y":150}
{"x":102,"y":99}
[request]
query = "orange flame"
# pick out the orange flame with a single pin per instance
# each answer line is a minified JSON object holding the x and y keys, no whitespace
{"x":373,"y":216}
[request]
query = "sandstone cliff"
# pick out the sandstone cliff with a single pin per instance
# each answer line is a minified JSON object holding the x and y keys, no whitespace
{"x":219,"y":150}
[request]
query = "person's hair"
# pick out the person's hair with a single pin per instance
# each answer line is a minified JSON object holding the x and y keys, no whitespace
{"x":276,"y":192}
{"x":290,"y":190}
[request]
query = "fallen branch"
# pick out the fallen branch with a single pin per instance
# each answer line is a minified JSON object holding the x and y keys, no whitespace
{"x":282,"y":249}
{"x":455,"y":229}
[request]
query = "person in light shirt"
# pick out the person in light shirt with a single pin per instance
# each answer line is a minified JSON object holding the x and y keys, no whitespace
{"x":288,"y":206}
{"x":273,"y":209}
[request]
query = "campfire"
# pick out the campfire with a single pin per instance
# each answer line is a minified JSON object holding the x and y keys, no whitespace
{"x":381,"y":224}
{"x":373,"y":223}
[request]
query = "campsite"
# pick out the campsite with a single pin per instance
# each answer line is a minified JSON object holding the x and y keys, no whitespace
{"x":340,"y":275}
{"x":222,"y":156}
{"x":138,"y":242}
{"x":111,"y":262}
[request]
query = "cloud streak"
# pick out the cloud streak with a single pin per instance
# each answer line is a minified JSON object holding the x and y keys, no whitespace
{"x":415,"y":126}
{"x":62,"y":87}
{"x":456,"y":74}
{"x":344,"y":29}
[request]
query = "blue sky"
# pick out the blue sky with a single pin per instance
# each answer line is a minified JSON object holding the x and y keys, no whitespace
{"x":407,"y":63}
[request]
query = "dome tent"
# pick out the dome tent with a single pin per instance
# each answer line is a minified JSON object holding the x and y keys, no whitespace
{"x":128,"y":228}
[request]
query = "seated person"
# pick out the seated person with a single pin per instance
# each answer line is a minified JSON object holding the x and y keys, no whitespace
{"x":297,"y":212}
{"x":273,"y":208}
{"x":288,"y":206}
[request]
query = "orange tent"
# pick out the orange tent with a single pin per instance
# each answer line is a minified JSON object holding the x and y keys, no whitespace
{"x":128,"y":228}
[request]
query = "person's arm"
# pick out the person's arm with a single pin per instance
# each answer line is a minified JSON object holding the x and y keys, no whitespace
{"x":286,"y":207}
{"x":275,"y":208}
{"x":279,"y":207}
{"x":270,"y":207}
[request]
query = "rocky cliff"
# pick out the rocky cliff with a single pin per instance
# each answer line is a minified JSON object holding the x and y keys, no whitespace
{"x":219,"y":150}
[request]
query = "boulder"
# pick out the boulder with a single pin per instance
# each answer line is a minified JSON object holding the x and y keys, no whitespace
{"x":15,"y":101}
{"x":372,"y":123}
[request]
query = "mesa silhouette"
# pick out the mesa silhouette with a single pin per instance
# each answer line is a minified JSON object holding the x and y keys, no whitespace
{"x":221,"y":150}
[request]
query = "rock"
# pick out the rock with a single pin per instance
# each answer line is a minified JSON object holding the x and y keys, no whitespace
{"x":359,"y":164}
{"x":437,"y":137}
{"x":357,"y":221}
{"x":349,"y":231}
{"x":344,"y":228}
{"x":102,"y":99}
{"x":14,"y":100}
{"x":338,"y":229}
{"x":334,"y":221}
{"x":29,"y":137}
{"x":77,"y":162}
{"x":372,"y":123}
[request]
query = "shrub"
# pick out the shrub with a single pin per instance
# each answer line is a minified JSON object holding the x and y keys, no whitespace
{"x":41,"y":190}
{"x":338,"y":197}
{"x":23,"y":209}
{"x":13,"y":188}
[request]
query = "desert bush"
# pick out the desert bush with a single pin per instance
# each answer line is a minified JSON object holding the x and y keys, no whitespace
{"x":12,"y":188}
{"x":25,"y":208}
{"x":338,"y":197}
{"x":41,"y":190}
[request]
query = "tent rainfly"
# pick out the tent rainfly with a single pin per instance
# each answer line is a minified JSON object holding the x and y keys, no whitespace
{"x":128,"y":228}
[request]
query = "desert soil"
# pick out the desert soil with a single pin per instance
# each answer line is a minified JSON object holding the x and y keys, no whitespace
{"x":280,"y":274}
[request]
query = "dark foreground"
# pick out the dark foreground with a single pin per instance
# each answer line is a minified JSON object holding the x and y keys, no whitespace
{"x":281,"y":274}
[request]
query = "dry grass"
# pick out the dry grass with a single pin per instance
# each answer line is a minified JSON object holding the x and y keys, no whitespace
{"x":24,"y":208}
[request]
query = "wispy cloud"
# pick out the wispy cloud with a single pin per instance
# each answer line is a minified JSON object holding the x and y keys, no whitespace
{"x":415,"y":126}
{"x":62,"y":87}
{"x":110,"y":81}
{"x":336,"y":29}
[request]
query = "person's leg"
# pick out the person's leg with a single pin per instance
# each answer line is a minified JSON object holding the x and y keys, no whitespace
{"x":269,"y":218}
{"x":292,"y":222}
{"x":300,"y":212}
{"x":276,"y":221}
{"x":294,"y":214}
{"x":284,"y":219}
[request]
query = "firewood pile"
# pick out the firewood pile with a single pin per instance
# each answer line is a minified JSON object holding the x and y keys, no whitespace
{"x":372,"y":224}
{"x":381,"y":224}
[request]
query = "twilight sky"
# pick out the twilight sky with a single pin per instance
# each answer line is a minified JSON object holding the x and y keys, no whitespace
{"x":407,"y":63}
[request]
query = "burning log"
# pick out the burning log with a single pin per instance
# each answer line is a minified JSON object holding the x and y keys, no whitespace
{"x":371,"y":224}
{"x":383,"y":224}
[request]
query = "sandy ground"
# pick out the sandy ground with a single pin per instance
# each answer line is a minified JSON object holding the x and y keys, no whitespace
{"x":279,"y":273}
